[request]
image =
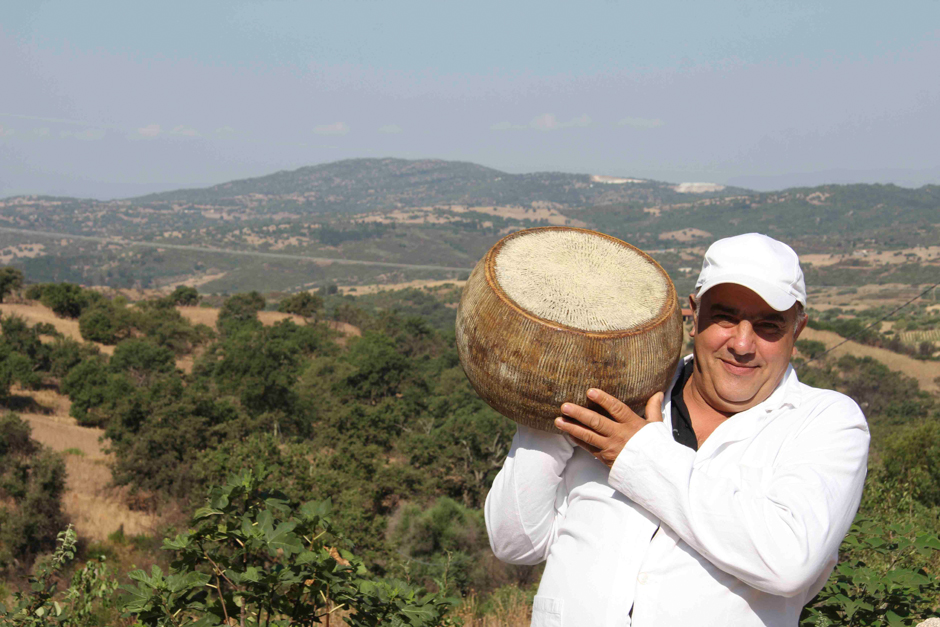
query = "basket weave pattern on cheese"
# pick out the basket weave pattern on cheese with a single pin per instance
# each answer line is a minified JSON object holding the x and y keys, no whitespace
{"x":525,"y":360}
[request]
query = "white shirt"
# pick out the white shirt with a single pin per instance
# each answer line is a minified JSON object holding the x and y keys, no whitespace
{"x":744,"y":531}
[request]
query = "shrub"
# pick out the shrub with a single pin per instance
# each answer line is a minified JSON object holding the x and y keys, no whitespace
{"x":32,"y":480}
{"x":911,"y":458}
{"x":254,"y":556}
{"x":66,"y":299}
{"x":11,"y":279}
{"x":185,"y":296}
{"x":304,"y":304}
{"x":871,"y":587}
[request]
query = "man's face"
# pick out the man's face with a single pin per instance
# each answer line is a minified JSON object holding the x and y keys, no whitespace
{"x":742,"y":347}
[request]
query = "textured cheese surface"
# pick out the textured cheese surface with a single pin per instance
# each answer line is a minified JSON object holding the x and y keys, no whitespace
{"x":580,"y":280}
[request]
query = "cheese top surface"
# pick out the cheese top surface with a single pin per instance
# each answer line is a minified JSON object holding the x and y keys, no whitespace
{"x":581,"y":280}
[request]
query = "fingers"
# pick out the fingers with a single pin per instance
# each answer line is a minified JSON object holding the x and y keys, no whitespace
{"x":617,"y":410}
{"x":586,"y":417}
{"x":654,"y":408}
{"x":592,"y":439}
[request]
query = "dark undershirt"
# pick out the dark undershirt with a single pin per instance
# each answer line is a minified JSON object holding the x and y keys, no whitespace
{"x":682,"y":431}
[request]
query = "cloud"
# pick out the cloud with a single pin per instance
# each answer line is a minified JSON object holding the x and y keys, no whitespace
{"x":184,"y":131}
{"x":544,"y":122}
{"x":390,"y":128}
{"x":641,"y":122}
{"x":337,"y":128}
{"x":548,"y":122}
{"x":151,"y":130}
{"x":89,"y":134}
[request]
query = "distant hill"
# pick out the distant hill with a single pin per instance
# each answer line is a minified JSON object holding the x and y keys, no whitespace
{"x":363,"y":185}
{"x":363,"y":221}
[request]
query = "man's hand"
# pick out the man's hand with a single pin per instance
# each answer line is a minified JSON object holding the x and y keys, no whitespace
{"x":600,"y":436}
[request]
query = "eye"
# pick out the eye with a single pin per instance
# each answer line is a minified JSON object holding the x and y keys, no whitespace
{"x":770,"y":327}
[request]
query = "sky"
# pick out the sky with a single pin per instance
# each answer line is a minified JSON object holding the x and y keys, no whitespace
{"x":115,"y":99}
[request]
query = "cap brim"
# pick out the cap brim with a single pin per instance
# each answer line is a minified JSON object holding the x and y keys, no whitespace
{"x":772,"y":295}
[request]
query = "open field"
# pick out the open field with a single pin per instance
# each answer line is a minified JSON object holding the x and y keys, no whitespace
{"x":926,"y":372}
{"x":861,"y":297}
{"x":358,"y":290}
{"x":873,"y":257}
{"x":431,"y":215}
{"x":93,"y":505}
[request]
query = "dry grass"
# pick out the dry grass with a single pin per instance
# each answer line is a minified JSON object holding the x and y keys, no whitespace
{"x":200,"y":315}
{"x":926,"y":372}
{"x":93,"y":505}
{"x":359,"y":290}
{"x":98,"y":509}
{"x":35,"y":313}
{"x":511,"y":611}
{"x":685,"y":235}
{"x":919,"y":254}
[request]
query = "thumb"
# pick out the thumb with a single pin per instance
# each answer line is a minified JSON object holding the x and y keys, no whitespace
{"x":654,"y":408}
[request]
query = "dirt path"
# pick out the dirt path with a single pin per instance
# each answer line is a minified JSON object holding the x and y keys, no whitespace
{"x":926,"y":372}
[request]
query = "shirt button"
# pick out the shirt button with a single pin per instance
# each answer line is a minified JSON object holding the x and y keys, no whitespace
{"x":643,"y":578}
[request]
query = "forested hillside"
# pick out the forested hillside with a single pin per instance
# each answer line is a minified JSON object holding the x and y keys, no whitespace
{"x":381,"y":424}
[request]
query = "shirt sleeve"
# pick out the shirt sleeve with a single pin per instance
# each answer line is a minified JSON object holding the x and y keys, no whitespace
{"x":777,"y":534}
{"x":520,"y":510}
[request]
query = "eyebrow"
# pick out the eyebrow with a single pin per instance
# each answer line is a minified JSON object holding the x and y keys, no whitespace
{"x":774,"y":317}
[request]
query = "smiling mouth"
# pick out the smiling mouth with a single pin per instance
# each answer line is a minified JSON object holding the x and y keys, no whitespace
{"x":734,"y":368}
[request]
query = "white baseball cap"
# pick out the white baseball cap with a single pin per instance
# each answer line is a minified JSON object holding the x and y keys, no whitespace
{"x":762,"y":264}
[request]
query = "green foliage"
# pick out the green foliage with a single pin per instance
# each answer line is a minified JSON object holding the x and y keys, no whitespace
{"x":86,"y":386}
{"x":256,"y":557}
{"x":872,"y":586}
{"x":105,"y":322}
{"x":32,"y":480}
{"x":446,"y":541}
{"x":11,"y":279}
{"x":303,"y":304}
{"x":810,"y":348}
{"x":141,"y":360}
{"x":240,"y":312}
{"x":379,"y":367}
{"x":66,"y":353}
{"x":39,"y":609}
{"x":911,"y":459}
{"x":185,"y":296}
{"x":66,"y":299}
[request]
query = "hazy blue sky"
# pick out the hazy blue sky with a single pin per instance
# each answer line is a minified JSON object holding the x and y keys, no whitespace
{"x":112,"y":99}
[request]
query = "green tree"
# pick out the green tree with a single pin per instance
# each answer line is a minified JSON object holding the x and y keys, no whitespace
{"x":66,"y":299}
{"x":11,"y":279}
{"x":185,"y":296}
{"x":303,"y":304}
{"x":105,"y":322}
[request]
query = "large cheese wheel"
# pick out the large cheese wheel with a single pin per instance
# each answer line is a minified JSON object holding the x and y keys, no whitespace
{"x":550,"y":312}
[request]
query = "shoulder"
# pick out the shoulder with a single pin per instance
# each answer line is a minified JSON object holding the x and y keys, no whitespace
{"x":827,"y":407}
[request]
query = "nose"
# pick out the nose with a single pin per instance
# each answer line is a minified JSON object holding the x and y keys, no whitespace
{"x":742,"y":341}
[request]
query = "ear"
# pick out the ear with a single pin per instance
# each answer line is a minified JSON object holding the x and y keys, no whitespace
{"x":799,"y":329}
{"x":694,"y":315}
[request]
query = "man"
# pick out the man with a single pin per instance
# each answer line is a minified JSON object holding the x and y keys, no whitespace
{"x":726,"y":506}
